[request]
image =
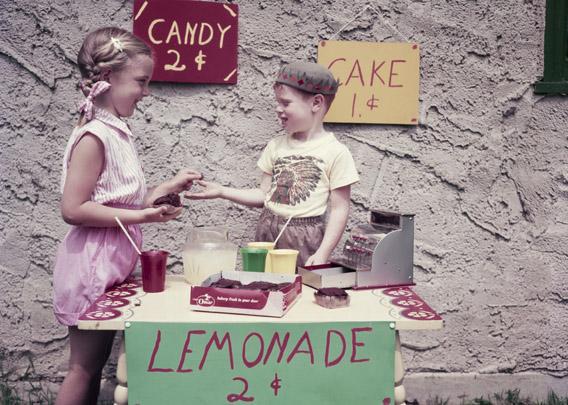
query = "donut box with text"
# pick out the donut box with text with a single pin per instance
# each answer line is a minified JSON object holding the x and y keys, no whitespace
{"x":247,"y":301}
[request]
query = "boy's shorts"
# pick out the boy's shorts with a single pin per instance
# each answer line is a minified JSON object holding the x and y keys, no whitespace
{"x":303,"y":234}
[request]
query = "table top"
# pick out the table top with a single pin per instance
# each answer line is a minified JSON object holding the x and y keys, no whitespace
{"x":127,"y":302}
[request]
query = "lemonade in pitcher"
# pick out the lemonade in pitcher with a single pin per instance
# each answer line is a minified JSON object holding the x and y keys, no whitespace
{"x":206,"y":252}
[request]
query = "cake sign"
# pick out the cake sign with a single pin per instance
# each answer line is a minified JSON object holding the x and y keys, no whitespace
{"x":193,"y":41}
{"x":261,"y":363}
{"x":378,"y":82}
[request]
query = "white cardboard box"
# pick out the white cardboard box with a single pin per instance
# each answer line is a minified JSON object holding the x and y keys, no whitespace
{"x":249,"y":302}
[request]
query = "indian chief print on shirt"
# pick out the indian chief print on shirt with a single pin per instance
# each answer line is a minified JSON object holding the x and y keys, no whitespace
{"x":294,"y":178}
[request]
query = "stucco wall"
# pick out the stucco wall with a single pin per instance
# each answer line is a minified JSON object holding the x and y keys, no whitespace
{"x":485,"y":172}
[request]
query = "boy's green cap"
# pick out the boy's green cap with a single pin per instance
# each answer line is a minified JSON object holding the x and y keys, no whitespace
{"x":309,"y":77}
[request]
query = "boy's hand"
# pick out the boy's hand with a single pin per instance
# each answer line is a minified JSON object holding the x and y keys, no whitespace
{"x":210,"y":190}
{"x":160,"y":214}
{"x":316,"y":258}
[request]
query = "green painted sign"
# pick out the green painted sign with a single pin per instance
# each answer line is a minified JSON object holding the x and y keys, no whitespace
{"x":260,"y":363}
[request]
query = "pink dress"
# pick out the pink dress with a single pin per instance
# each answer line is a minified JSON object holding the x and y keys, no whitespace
{"x":90,"y":260}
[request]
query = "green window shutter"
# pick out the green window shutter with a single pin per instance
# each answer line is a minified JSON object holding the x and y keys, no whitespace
{"x":555,"y":80}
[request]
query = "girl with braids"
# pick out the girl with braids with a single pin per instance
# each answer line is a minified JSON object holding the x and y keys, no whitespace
{"x":102,"y":179}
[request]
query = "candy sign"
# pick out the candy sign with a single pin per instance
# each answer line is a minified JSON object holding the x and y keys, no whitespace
{"x":260,"y":363}
{"x":378,"y":82}
{"x":193,"y":41}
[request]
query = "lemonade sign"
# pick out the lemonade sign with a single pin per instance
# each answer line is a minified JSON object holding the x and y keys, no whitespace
{"x":378,"y":82}
{"x":260,"y":363}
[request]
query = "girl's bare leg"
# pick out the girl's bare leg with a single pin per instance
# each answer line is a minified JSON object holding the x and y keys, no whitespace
{"x":89,"y":352}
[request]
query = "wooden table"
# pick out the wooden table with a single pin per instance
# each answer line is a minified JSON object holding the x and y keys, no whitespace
{"x":127,"y":303}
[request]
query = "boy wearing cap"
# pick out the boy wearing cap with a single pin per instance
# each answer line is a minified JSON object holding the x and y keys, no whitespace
{"x":303,"y":170}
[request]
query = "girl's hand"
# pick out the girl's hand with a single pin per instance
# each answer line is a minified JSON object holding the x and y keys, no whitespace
{"x":180,"y":182}
{"x":160,"y":214}
{"x":183,"y":180}
{"x":210,"y":190}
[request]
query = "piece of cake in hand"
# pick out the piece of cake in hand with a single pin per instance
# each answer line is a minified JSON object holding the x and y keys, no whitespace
{"x":168,"y":199}
{"x":171,"y":201}
{"x":332,"y":297}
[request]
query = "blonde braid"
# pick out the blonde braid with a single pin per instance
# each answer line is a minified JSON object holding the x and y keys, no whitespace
{"x":92,"y":76}
{"x":106,"y":49}
{"x":100,"y":53}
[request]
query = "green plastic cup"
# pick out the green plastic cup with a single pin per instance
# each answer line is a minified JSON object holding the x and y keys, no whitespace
{"x":254,"y":259}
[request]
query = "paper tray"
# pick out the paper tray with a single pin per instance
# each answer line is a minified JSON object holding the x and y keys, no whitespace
{"x":249,"y":302}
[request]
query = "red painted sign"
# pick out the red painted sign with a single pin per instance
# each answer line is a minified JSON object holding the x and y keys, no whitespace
{"x":193,"y":41}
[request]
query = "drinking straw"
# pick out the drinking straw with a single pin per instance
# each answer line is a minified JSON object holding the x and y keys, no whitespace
{"x":128,"y":235}
{"x":282,"y":230}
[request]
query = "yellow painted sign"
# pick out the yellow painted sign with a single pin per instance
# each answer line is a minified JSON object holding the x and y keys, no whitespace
{"x":378,"y":82}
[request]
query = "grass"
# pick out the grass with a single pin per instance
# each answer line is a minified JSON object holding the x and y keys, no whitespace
{"x":35,"y":390}
{"x":28,"y":388}
{"x":39,"y":394}
{"x":510,"y":397}
{"x":36,"y":393}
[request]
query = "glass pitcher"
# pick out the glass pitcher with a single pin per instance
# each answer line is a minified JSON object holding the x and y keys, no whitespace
{"x":207,"y":251}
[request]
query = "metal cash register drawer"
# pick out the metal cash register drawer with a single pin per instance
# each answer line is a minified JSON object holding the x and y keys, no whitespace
{"x":328,"y":275}
{"x":377,"y":254}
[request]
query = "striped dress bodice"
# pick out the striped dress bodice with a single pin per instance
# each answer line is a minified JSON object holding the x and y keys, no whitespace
{"x":121,"y":182}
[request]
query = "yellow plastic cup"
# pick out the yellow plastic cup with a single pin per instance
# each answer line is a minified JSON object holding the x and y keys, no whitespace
{"x":283,"y":261}
{"x":264,"y":245}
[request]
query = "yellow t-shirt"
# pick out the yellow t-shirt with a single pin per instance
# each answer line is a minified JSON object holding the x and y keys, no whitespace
{"x":304,"y":173}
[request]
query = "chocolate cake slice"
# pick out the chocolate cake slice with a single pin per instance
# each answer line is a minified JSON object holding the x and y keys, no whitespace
{"x":261,"y":285}
{"x":283,"y":285}
{"x":169,"y":199}
{"x":226,"y":283}
{"x":332,"y":297}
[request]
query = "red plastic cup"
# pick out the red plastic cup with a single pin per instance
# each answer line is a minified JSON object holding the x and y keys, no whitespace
{"x":153,"y":264}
